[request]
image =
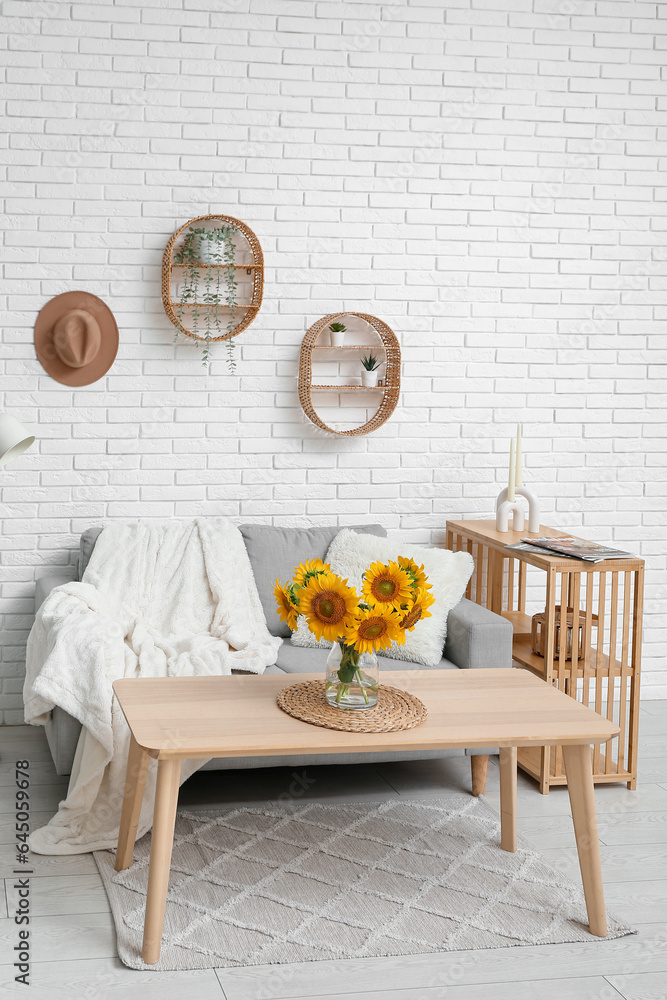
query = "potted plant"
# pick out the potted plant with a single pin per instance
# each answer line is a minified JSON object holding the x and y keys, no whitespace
{"x":369,"y":375}
{"x":337,"y":331}
{"x":210,"y":294}
{"x":395,"y":597}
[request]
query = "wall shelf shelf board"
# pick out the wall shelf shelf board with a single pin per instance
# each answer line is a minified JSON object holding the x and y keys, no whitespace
{"x":346,"y":388}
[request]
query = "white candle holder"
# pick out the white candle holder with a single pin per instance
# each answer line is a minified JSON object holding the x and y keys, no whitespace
{"x":505,"y":507}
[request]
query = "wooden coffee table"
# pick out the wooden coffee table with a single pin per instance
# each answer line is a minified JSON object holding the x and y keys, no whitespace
{"x":181,"y":718}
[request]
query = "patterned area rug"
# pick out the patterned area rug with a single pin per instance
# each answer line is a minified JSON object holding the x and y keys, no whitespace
{"x":295,"y":883}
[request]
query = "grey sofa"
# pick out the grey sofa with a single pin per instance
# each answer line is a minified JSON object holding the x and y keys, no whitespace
{"x":476,"y":637}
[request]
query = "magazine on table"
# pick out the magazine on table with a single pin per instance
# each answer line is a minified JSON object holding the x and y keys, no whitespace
{"x":526,"y":547}
{"x":575,"y":548}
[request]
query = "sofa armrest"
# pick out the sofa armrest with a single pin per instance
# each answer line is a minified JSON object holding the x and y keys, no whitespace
{"x":62,"y":735}
{"x":477,"y":637}
{"x":45,"y":584}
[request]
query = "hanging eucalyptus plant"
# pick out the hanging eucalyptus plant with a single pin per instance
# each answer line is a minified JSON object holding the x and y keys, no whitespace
{"x":213,"y":252}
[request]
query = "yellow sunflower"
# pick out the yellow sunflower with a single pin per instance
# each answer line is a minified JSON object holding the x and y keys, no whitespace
{"x":386,"y":583}
{"x":287,"y":610}
{"x":328,"y":604}
{"x":414,"y":571}
{"x":374,"y":628}
{"x":419,"y":610}
{"x":304,"y":571}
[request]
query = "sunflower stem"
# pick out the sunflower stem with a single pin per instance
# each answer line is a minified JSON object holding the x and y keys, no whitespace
{"x":361,"y":684}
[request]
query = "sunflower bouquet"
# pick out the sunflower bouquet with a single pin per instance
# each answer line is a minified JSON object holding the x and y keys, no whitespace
{"x":395,"y":596}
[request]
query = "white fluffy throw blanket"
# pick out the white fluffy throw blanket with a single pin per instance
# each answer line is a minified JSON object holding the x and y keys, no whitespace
{"x":155,"y":601}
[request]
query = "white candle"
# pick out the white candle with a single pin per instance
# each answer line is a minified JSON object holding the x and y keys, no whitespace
{"x":519,"y":468}
{"x":512,"y":476}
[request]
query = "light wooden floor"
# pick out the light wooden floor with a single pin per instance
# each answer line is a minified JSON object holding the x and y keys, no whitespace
{"x":73,"y":938}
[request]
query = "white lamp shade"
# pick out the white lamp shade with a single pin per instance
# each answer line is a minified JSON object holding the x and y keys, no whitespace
{"x":14,"y":438}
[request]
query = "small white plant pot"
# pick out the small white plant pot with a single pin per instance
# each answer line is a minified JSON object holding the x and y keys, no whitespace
{"x":369,"y":379}
{"x":337,"y":338}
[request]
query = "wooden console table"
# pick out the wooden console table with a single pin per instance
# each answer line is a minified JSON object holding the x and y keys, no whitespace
{"x":605,"y":600}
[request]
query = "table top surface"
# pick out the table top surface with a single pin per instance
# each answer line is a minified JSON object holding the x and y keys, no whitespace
{"x":485,"y":531}
{"x":237,"y":716}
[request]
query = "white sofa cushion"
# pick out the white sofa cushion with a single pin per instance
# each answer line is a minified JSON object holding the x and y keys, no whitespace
{"x":350,"y":554}
{"x":274,"y":552}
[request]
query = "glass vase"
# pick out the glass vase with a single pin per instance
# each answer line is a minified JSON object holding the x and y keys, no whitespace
{"x":352,"y":678}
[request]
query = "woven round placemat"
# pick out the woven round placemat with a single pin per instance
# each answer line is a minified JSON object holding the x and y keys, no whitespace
{"x":395,"y":709}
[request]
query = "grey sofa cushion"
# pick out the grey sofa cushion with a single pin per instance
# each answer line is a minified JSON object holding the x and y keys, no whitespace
{"x":304,"y":660}
{"x":86,"y":546}
{"x":274,"y":552}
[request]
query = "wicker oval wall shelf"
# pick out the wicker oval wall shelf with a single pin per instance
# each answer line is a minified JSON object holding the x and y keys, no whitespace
{"x":254,"y":266}
{"x":390,"y":388}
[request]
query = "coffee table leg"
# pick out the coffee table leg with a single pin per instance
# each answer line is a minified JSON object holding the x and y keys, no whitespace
{"x":135,"y":782}
{"x":164,"y":817}
{"x":579,"y":772}
{"x":508,"y":798}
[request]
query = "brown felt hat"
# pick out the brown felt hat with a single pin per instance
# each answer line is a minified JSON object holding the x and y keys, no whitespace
{"x":76,"y":338}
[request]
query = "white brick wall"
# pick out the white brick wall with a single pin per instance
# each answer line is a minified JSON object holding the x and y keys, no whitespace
{"x":485,"y":175}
